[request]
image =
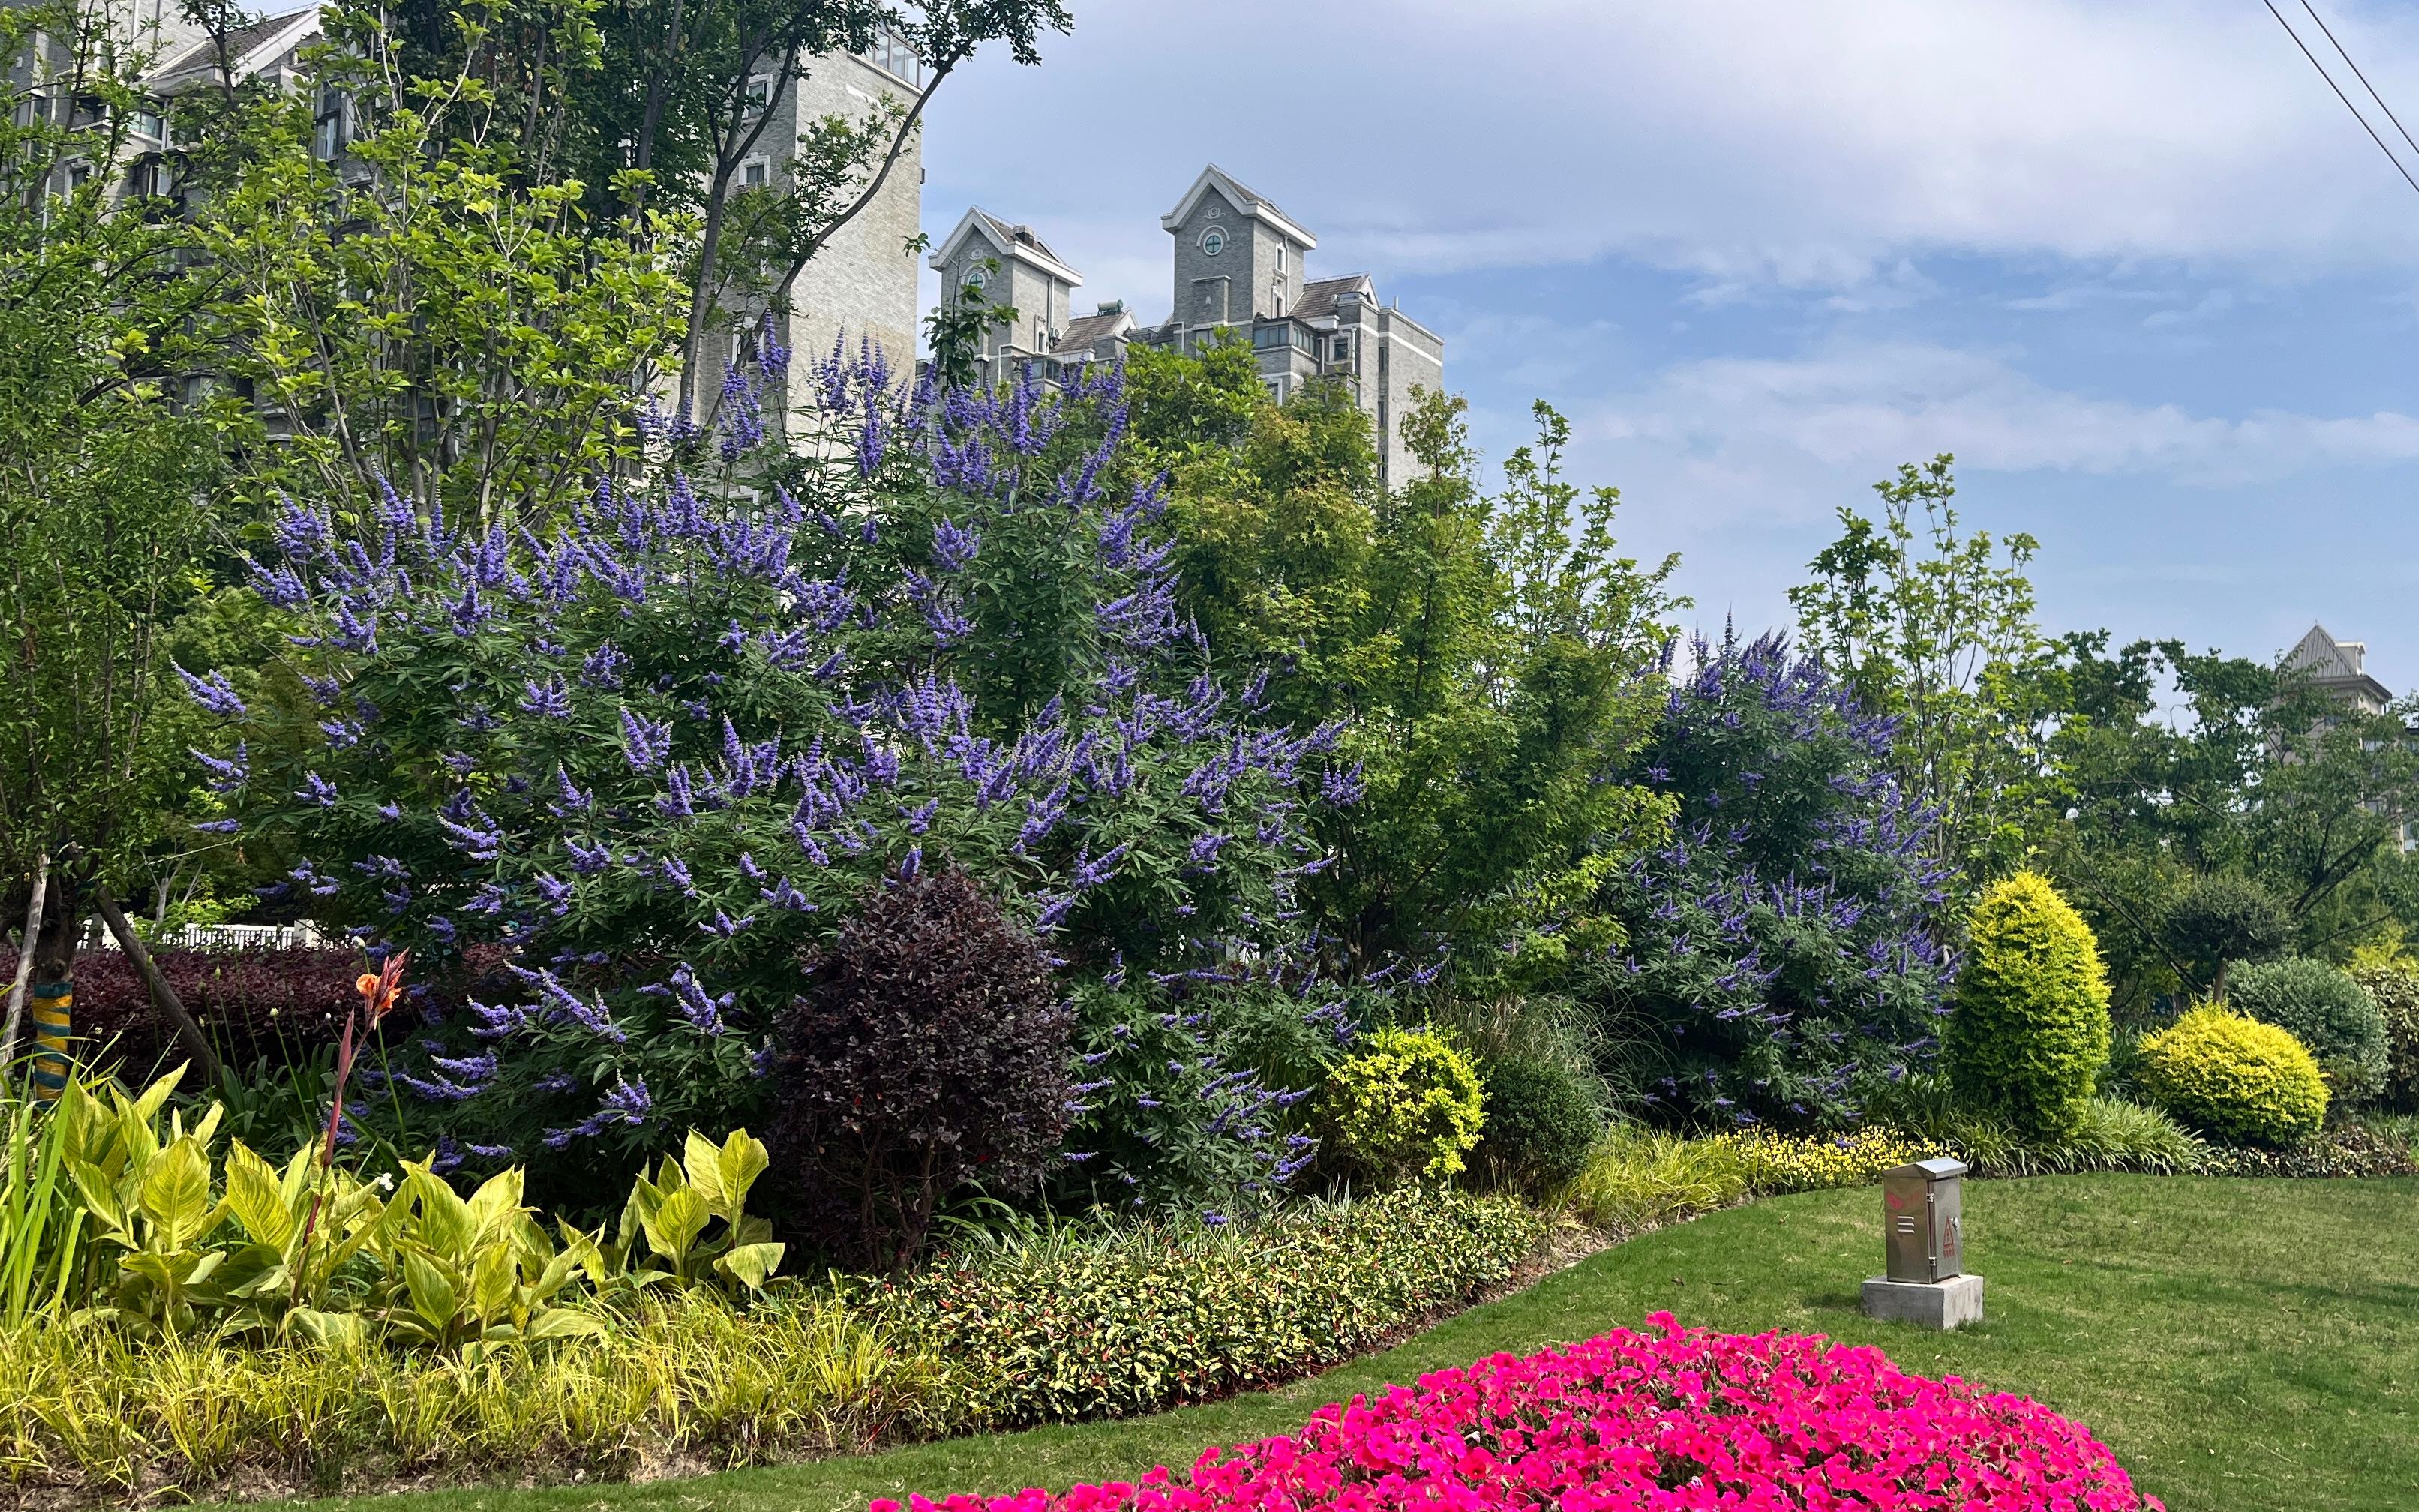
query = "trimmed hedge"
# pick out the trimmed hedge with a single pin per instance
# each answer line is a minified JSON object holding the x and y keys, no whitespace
{"x":2030,"y":1032}
{"x":258,"y":1007}
{"x":2395,"y":988}
{"x":2235,"y":1078}
{"x":2322,"y":1006}
{"x":1106,"y":1322}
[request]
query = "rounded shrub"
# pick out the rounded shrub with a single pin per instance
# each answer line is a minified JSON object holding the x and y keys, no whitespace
{"x":1542,"y":1119}
{"x":2328,"y":1011}
{"x":2235,"y":1078}
{"x":2030,"y":1031}
{"x":1405,"y":1103}
{"x":2395,"y":988}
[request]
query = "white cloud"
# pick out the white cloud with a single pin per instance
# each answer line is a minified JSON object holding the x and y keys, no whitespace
{"x":1784,"y":428}
{"x":1813,"y":143}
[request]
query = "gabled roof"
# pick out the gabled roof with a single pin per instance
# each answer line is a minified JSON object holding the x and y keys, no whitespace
{"x":250,"y":49}
{"x":2334,"y":664}
{"x":1318,"y":296}
{"x":1254,"y":206}
{"x":1086,"y":330}
{"x":1005,"y":241}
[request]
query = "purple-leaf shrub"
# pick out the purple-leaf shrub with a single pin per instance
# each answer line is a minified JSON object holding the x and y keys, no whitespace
{"x":1784,"y":956}
{"x":657,"y":752}
{"x":928,"y":1048}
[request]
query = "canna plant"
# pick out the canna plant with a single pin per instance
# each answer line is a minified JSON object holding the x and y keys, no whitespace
{"x":476,"y":1270}
{"x":672,"y":1212}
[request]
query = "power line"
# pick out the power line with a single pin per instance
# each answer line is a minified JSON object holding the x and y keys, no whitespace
{"x":2340,"y":95}
{"x":2362,"y":77}
{"x":2357,"y":74}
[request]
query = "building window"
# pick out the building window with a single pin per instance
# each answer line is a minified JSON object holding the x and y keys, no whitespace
{"x":328,"y":125}
{"x":1213,"y":241}
{"x":977,"y":279}
{"x":1339,"y":347}
{"x":1281,"y":253}
{"x":147,"y":123}
{"x":892,"y":55}
{"x":756,"y":173}
{"x":760,"y":95}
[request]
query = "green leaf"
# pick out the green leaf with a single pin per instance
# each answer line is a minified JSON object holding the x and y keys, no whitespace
{"x":752,"y":1265}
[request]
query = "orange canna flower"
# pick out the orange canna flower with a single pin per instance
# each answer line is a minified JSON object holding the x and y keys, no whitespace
{"x":382,"y":990}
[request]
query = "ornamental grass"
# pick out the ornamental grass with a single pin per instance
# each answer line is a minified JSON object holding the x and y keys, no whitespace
{"x":678,"y":1384}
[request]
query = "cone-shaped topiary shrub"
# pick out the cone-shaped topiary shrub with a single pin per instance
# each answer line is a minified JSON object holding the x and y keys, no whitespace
{"x":2030,"y":1032}
{"x":2235,"y":1078}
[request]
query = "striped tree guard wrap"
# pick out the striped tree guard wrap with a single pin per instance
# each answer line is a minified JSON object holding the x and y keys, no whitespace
{"x":52,"y":1004}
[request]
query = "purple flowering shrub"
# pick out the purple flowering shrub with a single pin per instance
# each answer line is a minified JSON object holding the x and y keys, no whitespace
{"x":657,"y":754}
{"x":1783,"y":956}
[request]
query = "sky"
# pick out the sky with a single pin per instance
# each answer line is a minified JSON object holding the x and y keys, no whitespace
{"x":2134,"y":264}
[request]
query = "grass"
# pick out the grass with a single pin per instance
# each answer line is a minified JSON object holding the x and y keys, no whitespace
{"x":2243,"y":1344}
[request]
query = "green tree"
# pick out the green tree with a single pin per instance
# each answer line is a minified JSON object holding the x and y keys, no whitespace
{"x":1935,"y":627}
{"x":104,"y":523}
{"x":1490,"y":657}
{"x":2172,"y":787}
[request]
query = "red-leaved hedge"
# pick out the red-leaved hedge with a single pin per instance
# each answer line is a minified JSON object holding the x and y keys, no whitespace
{"x":1672,"y":1420}
{"x":258,"y":1007}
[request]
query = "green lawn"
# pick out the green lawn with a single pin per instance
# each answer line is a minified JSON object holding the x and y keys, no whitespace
{"x":2243,"y":1345}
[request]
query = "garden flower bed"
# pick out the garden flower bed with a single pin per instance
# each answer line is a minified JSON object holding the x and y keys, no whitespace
{"x":1672,"y":1419}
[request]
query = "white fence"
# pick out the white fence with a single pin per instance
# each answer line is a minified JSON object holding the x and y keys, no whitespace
{"x":230,"y":937}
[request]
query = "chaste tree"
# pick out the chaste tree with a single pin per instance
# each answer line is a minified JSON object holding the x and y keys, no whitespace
{"x":616,"y":782}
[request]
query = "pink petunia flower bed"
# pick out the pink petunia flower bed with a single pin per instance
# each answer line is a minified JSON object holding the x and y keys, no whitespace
{"x":1669,"y":1419}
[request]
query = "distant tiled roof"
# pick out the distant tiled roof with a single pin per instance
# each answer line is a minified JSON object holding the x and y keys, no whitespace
{"x":240,"y":43}
{"x":1086,"y":330}
{"x":1318,"y":296}
{"x":1019,"y":233}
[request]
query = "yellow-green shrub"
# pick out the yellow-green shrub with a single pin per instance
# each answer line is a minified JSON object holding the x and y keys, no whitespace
{"x":1103,"y":1320}
{"x":2235,"y":1078}
{"x":1774,"y":1163}
{"x":1405,"y":1103}
{"x":2030,"y":1031}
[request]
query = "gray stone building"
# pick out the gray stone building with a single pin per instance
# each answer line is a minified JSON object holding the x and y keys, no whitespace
{"x":1012,"y":269}
{"x":861,"y":285}
{"x":1239,"y":272}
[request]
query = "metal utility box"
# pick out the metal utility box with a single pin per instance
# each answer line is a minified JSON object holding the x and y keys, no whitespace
{"x":1925,"y":1232}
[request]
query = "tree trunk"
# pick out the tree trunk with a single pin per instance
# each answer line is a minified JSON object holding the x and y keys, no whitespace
{"x":163,"y":997}
{"x":33,"y":900}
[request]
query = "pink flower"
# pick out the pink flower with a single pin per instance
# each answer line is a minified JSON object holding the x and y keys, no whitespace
{"x":1671,"y":1420}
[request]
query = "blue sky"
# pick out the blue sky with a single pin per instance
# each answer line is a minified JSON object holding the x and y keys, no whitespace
{"x":2132,"y":263}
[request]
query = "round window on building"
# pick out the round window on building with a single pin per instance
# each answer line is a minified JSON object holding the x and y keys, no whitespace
{"x":977,"y":278}
{"x":1213,"y":241}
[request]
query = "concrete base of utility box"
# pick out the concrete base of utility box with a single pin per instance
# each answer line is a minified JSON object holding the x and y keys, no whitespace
{"x":1949,"y":1304}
